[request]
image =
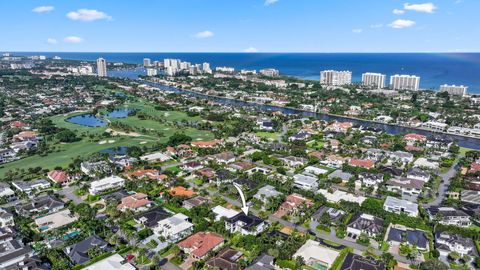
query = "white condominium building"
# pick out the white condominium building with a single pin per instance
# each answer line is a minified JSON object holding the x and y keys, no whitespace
{"x":151,"y":71}
{"x":101,"y":67}
{"x":335,"y":78}
{"x":459,"y":90}
{"x":405,"y":82}
{"x":270,"y":72}
{"x":147,"y":62}
{"x":374,"y":80}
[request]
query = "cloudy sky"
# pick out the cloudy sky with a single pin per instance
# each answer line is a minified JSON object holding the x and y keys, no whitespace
{"x":240,"y":25}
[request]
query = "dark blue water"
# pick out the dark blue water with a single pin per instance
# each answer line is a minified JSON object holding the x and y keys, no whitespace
{"x":119,"y":113}
{"x":116,"y":151}
{"x":433,"y":68}
{"x":87,"y":120}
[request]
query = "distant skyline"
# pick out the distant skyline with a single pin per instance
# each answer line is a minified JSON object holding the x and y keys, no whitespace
{"x":240,"y":26}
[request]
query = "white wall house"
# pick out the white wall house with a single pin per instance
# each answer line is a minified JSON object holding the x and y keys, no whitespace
{"x":107,"y":183}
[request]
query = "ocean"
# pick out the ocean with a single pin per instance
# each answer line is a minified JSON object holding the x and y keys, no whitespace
{"x":434,"y":69}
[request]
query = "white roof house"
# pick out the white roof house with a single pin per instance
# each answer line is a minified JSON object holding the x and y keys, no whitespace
{"x":55,"y":220}
{"x":221,"y":212}
{"x":155,"y":157}
{"x":399,"y":206}
{"x":106,"y":184}
{"x":306,"y":182}
{"x":174,"y":228}
{"x":115,"y":261}
{"x":266,"y":192}
{"x":315,"y":170}
{"x":339,"y":195}
{"x":314,"y":254}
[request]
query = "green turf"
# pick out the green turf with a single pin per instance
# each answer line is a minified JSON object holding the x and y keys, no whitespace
{"x":268,"y":135}
{"x":64,"y":153}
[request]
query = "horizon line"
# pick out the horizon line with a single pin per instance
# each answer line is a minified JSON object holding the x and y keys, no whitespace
{"x":260,"y":52}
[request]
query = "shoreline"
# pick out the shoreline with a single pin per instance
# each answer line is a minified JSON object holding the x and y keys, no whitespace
{"x":320,"y":113}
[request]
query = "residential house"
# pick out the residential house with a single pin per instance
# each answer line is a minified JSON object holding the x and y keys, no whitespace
{"x":334,"y":161}
{"x":305,"y":181}
{"x":226,"y":259}
{"x":13,"y":252}
{"x":245,"y":225}
{"x":78,"y":253}
{"x":107,"y":183}
{"x":399,"y":206}
{"x":41,"y":205}
{"x":59,"y":177}
{"x":31,"y":187}
{"x":370,"y":179}
{"x":345,"y":176}
{"x":364,"y":224}
{"x":151,"y":218}
{"x":206,"y":144}
{"x":55,"y":220}
{"x":6,"y":218}
{"x":358,"y":262}
{"x":335,"y":215}
{"x":402,"y":157}
{"x":418,"y":174}
{"x":266,"y":192}
{"x":263,"y":262}
{"x":174,"y":228}
{"x":293,"y":162}
{"x":315,"y":170}
{"x":180,"y":191}
{"x":194,"y":202}
{"x":362,"y":163}
{"x":405,"y":186}
{"x":222,"y":212}
{"x":447,"y":243}
{"x":6,"y":192}
{"x":115,"y":261}
{"x":398,"y":235}
{"x":93,"y":169}
{"x":137,"y":202}
{"x":222,"y":158}
{"x":449,"y":216}
{"x":156,"y":157}
{"x":316,"y":255}
{"x":292,"y":204}
{"x":200,"y":244}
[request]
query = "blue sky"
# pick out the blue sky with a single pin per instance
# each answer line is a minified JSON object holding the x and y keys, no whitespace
{"x":240,"y":25}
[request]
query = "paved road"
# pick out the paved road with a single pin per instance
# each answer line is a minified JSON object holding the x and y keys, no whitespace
{"x":69,"y":192}
{"x":442,"y":189}
{"x":313,"y":225}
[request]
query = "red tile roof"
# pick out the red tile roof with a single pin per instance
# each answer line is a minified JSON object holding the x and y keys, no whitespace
{"x":201,"y":243}
{"x":134,"y":201}
{"x":363,"y":163}
{"x":59,"y":176}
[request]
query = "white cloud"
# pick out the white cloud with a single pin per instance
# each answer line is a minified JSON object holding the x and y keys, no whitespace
{"x":400,"y":23}
{"x":52,"y":41}
{"x":73,"y":39}
{"x":378,"y":25}
{"x":204,"y":34}
{"x":398,"y":11}
{"x":43,"y":9}
{"x":357,"y":31}
{"x":88,"y":15}
{"x":250,"y":50}
{"x":270,"y":2}
{"x":425,"y":7}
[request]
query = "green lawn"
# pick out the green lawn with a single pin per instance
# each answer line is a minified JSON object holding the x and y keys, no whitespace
{"x":317,"y":145}
{"x":63,"y":154}
{"x":268,"y":135}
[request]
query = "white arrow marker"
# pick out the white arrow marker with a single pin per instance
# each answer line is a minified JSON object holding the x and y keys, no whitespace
{"x":245,"y":207}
